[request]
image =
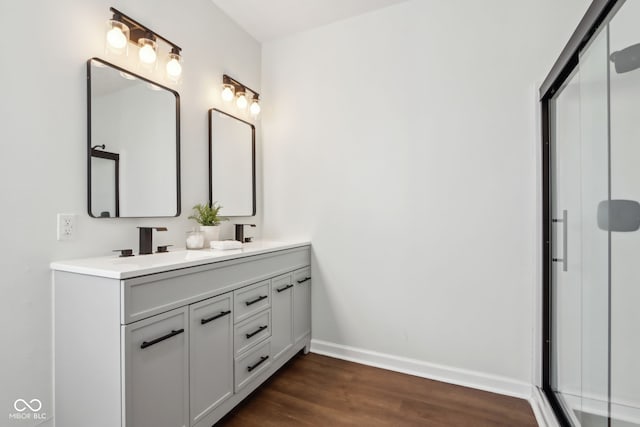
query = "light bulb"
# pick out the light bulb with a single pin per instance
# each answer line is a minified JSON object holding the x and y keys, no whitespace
{"x":227,"y":92}
{"x":254,"y":108}
{"x":174,"y":68}
{"x":147,"y":52}
{"x":241,"y":102}
{"x":116,"y":38}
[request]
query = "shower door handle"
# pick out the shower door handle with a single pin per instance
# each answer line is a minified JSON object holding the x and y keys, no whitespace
{"x":565,"y":239}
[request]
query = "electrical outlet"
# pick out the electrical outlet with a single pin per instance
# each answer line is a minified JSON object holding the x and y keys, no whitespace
{"x":66,"y":226}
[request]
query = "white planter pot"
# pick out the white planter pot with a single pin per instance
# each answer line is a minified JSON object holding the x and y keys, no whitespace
{"x":211,"y":232}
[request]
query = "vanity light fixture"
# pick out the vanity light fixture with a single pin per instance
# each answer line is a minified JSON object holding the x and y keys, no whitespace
{"x":122,"y":30}
{"x":231,"y":88}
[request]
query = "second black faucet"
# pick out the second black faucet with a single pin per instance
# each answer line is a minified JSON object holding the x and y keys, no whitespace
{"x":146,"y":239}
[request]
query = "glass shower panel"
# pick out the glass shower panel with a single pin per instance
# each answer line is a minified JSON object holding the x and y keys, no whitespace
{"x":594,"y":287}
{"x":624,"y":65}
{"x":595,"y":241}
{"x":580,"y":249}
{"x":566,"y":235}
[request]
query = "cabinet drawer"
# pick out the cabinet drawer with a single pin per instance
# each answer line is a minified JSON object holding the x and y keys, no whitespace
{"x":251,"y":299}
{"x":252,"y":364}
{"x":252,"y":331}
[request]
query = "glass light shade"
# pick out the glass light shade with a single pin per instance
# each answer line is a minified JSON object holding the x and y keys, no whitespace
{"x":147,"y":52}
{"x":254,"y":108}
{"x":174,"y":67}
{"x":116,"y":37}
{"x":227,"y":92}
{"x":241,"y":102}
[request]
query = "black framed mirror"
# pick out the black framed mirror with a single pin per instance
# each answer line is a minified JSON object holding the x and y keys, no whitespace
{"x":133,"y":144}
{"x":232,"y":164}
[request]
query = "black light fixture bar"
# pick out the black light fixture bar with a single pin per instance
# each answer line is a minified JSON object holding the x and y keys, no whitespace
{"x":138,"y":30}
{"x":231,"y":81}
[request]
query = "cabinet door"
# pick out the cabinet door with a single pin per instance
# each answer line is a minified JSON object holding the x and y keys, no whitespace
{"x":156,"y":371}
{"x":211,"y":354}
{"x":301,"y":303}
{"x":281,"y":315}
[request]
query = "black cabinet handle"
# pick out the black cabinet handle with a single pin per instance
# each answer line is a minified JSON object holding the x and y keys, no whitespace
{"x":173,"y":333}
{"x":262,"y":359}
{"x":257,"y":331}
{"x":217,"y":316}
{"x":304,"y":280}
{"x":260,"y":298}
{"x":284,"y":288}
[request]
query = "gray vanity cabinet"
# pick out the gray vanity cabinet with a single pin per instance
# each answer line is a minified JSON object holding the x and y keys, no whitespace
{"x":156,"y":370}
{"x":282,"y":317}
{"x":301,"y":304}
{"x":174,"y":347}
{"x":211,"y":354}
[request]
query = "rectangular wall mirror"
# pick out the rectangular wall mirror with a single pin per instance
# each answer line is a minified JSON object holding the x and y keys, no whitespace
{"x":232,"y":167}
{"x":133,"y":144}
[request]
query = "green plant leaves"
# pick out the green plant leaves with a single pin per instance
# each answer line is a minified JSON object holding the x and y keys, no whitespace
{"x":207,"y":215}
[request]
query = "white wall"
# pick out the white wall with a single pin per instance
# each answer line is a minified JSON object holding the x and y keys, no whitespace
{"x":403,"y":143}
{"x":45,"y":46}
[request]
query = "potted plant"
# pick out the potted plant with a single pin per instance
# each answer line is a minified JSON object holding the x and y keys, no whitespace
{"x":207,"y":216}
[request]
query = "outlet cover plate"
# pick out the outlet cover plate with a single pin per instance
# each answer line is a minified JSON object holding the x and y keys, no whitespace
{"x":66,"y":226}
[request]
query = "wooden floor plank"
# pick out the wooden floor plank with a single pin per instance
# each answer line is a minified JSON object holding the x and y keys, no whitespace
{"x":316,"y":390}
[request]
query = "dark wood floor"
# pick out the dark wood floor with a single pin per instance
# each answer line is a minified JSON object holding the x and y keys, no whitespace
{"x":316,"y":390}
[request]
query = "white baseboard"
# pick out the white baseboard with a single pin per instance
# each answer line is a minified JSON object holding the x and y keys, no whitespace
{"x":447,"y":374}
{"x":542,"y":409}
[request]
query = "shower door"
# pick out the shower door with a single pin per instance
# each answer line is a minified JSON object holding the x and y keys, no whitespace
{"x":580,"y":250}
{"x":592,"y":374}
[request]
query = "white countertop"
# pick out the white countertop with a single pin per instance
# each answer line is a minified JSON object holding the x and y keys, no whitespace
{"x":114,"y":267}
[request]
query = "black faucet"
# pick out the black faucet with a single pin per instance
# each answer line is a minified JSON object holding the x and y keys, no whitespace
{"x":240,"y":232}
{"x":146,"y":236}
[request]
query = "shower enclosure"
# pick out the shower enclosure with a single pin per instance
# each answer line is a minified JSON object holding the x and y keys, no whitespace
{"x":591,"y":241}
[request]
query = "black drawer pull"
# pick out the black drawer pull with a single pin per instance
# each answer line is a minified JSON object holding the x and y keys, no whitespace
{"x":260,"y":298}
{"x":173,"y":333}
{"x":257,"y":331}
{"x":306,"y":279}
{"x":262,"y":359}
{"x":284,"y":288}
{"x":217,"y":316}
